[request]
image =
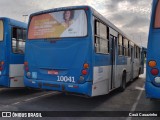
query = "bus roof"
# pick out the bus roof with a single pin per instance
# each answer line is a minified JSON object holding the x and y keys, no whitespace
{"x":94,"y":12}
{"x":14,"y":22}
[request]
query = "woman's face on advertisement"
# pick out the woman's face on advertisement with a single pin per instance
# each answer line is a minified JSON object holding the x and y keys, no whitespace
{"x":67,"y":15}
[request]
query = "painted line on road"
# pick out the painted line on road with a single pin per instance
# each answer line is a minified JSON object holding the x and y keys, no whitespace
{"x":139,"y":88}
{"x":136,"y":103}
{"x":3,"y":106}
{"x":33,"y":98}
{"x":15,"y":103}
{"x":29,"y":99}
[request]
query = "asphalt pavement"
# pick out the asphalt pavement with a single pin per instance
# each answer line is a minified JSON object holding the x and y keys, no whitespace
{"x":132,"y":99}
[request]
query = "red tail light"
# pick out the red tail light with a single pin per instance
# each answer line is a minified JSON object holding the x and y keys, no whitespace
{"x":154,"y":71}
{"x":1,"y":68}
{"x":84,"y":72}
{"x":26,"y":66}
{"x":1,"y":65}
{"x":85,"y":67}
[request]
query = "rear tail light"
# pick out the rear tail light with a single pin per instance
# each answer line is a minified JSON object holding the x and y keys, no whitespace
{"x":152,"y":63}
{"x":1,"y":65}
{"x":26,"y":69}
{"x":26,"y":66}
{"x":25,"y":63}
{"x":2,"y":62}
{"x":84,"y":72}
{"x":86,"y":66}
{"x":1,"y":68}
{"x":154,"y":71}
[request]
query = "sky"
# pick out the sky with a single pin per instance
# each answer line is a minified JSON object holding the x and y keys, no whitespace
{"x":131,"y":16}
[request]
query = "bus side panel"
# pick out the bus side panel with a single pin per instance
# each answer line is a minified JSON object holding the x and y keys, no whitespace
{"x":16,"y":72}
{"x":128,"y":69}
{"x":136,"y":67}
{"x":120,"y":69}
{"x":151,"y":90}
{"x":101,"y":77}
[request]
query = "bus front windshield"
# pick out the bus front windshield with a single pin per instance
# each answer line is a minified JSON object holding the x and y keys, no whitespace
{"x":69,"y":23}
{"x":1,"y":30}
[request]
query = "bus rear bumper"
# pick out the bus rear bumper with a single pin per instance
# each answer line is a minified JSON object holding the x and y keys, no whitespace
{"x":152,"y":91}
{"x":84,"y":89}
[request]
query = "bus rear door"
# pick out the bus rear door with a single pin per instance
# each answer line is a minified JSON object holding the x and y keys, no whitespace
{"x":16,"y":66}
{"x":112,"y":81}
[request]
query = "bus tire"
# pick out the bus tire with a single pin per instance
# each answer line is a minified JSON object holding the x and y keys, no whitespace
{"x":123,"y":82}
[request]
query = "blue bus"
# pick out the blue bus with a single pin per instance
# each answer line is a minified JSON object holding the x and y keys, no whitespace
{"x":12,"y":43}
{"x":76,"y":50}
{"x":152,"y":85}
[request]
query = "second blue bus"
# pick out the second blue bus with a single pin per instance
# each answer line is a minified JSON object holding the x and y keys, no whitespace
{"x":152,"y":85}
{"x":76,"y":50}
{"x":12,"y":43}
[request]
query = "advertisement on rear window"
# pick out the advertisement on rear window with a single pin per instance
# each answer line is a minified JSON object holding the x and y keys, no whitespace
{"x":1,"y":30}
{"x":70,"y":23}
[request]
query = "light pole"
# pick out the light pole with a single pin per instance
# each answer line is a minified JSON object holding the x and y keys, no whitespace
{"x":25,"y":16}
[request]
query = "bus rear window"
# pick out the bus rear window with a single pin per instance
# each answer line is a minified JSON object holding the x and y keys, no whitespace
{"x":1,"y":30}
{"x":157,"y":16}
{"x":70,"y":23}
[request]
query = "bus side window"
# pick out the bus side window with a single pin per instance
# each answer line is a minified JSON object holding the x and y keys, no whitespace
{"x":101,"y":38}
{"x":97,"y":41}
{"x":120,"y":45}
{"x":108,"y":39}
{"x":22,"y":42}
{"x":129,"y":49}
{"x":24,"y":34}
{"x":18,"y":41}
{"x":157,"y":16}
{"x":139,"y":51}
{"x":125,"y":47}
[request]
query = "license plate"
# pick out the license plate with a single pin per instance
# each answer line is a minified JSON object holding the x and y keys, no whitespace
{"x":53,"y":72}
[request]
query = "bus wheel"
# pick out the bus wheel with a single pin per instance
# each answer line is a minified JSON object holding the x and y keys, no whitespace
{"x":123,"y":83}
